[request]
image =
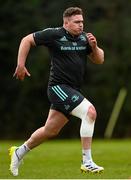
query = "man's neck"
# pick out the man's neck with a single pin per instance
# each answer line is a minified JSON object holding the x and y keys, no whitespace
{"x":68,"y":31}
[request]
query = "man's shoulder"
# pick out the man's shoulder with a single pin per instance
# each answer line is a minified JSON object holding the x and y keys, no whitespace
{"x":54,"y":30}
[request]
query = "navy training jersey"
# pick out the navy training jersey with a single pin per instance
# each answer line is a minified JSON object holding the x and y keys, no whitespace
{"x":68,"y":55}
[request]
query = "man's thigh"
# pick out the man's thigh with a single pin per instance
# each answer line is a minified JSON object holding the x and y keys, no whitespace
{"x":55,"y":121}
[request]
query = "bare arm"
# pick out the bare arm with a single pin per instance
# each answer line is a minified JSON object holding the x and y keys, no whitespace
{"x":24,"y":49}
{"x":97,"y":54}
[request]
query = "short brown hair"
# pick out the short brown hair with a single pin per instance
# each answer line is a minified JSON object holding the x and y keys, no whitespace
{"x":72,"y":11}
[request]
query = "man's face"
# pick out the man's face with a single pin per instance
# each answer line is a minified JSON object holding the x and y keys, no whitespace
{"x":74,"y":24}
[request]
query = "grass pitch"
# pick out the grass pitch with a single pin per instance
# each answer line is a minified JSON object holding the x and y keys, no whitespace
{"x":60,"y":159}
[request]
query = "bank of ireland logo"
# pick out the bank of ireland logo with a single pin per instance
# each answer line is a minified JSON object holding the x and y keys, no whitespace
{"x":75,"y":98}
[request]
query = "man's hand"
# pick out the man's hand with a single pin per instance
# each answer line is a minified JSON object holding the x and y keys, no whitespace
{"x":92,"y":40}
{"x":21,"y":72}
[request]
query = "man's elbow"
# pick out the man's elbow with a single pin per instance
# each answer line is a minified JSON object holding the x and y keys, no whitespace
{"x":101,"y":58}
{"x":101,"y":61}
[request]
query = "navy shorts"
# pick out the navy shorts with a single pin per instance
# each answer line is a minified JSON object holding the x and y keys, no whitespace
{"x":64,"y":98}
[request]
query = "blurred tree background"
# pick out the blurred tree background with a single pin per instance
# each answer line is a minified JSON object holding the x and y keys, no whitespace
{"x":24,"y":105}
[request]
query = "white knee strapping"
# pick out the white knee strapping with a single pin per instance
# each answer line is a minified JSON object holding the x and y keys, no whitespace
{"x":87,"y":125}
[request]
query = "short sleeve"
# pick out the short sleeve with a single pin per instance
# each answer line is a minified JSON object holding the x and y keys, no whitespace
{"x":83,"y":37}
{"x":89,"y":49}
{"x":44,"y":37}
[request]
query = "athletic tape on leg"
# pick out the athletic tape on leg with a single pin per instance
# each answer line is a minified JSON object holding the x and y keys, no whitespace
{"x":87,"y":124}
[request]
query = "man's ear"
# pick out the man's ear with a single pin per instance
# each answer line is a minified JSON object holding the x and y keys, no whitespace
{"x":66,"y":20}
